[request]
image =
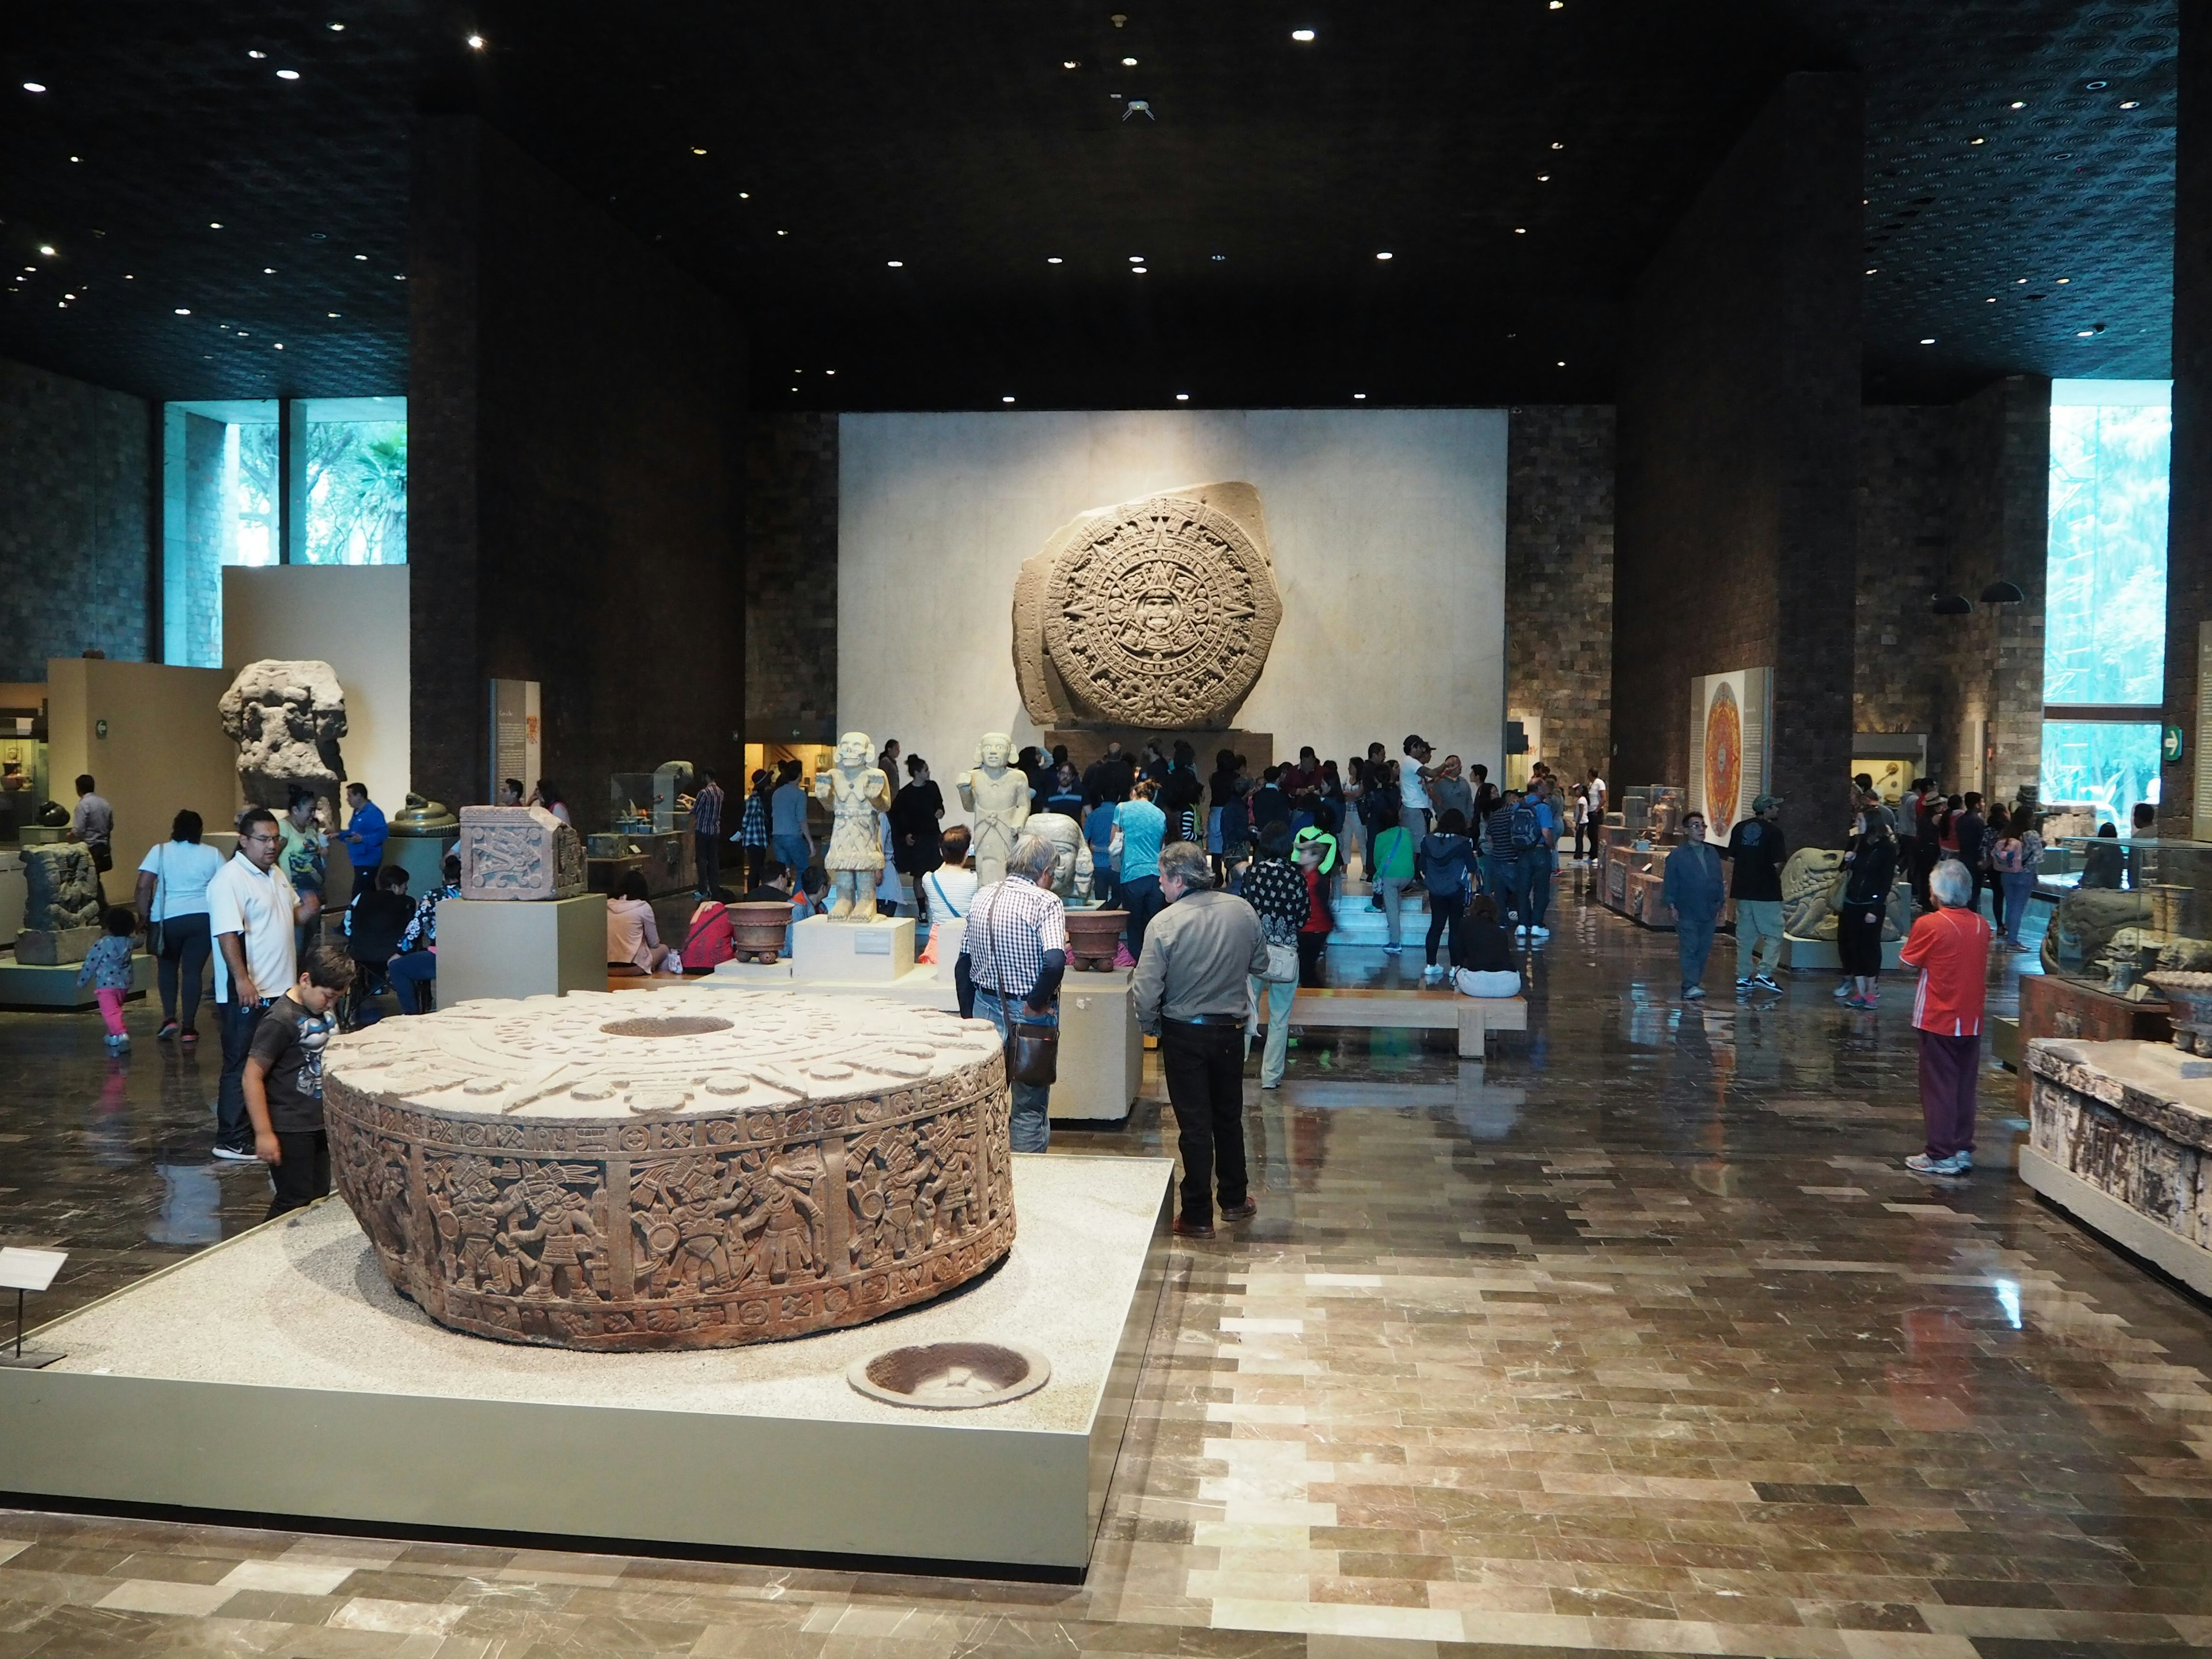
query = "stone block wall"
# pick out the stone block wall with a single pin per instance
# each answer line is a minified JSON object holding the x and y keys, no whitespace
{"x":791,"y":579}
{"x":74,"y":511}
{"x":1559,"y":578}
{"x":1908,"y":465}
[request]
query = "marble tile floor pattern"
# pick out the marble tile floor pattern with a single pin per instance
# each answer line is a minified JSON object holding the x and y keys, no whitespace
{"x":1636,"y":1340}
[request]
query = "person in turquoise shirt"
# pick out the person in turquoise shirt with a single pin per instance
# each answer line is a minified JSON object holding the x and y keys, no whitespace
{"x":1393,"y":855}
{"x":1140,"y":826}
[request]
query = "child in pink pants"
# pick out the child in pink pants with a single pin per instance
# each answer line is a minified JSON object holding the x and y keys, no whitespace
{"x":107,"y":970}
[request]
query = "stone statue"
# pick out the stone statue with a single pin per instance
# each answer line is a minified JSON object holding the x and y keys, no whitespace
{"x":1812,"y":887}
{"x":854,"y":790}
{"x":519,"y":853}
{"x":1159,"y":612}
{"x":286,"y":718}
{"x":999,"y":796}
{"x":61,"y":905}
{"x":1071,"y":864}
{"x":718,"y":1169}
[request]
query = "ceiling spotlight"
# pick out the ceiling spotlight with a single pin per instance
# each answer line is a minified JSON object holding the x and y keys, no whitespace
{"x":475,"y":43}
{"x":1052,"y":258}
{"x":1358,"y":397}
{"x":896,"y":264}
{"x":2083,"y":333}
{"x":2132,"y":103}
{"x":364,"y":257}
{"x":45,"y":250}
{"x":183,"y":311}
{"x":1558,"y":5}
{"x":1928,"y":340}
{"x":1543,"y":177}
{"x":1181,"y":396}
{"x":1069,"y":62}
{"x":1219,"y":259}
{"x":1991,"y":301}
{"x":2019,"y":103}
{"x":1556,"y":144}
{"x":1871,"y":269}
{"x":1129,"y":62}
{"x":1302,"y":34}
{"x":215,"y":224}
{"x":1382,"y":255}
{"x":1138,"y":271}
{"x":783,"y":232}
{"x":1520,"y":230}
{"x":280,"y":345}
{"x":251,"y":54}
{"x":697,"y":150}
{"x":337,"y":29}
{"x":33,"y":86}
{"x":1562,"y":362}
{"x":1977,"y":141}
{"x":2095,"y":86}
{"x":1008,"y":399}
{"x":76,"y":158}
{"x":2063,"y":281}
{"x":745,"y":196}
{"x":329,"y":314}
{"x":268,"y":270}
{"x":2020,"y":281}
{"x":288,"y":74}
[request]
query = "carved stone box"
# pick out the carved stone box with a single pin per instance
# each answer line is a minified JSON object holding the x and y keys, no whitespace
{"x":693,"y":1169}
{"x":519,"y":853}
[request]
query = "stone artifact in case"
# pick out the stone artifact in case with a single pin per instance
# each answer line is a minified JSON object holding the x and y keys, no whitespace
{"x":286,"y":718}
{"x":519,"y":853}
{"x":695,"y":1169}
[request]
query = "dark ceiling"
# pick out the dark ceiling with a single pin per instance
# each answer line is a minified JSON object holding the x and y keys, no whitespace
{"x":1518,"y":162}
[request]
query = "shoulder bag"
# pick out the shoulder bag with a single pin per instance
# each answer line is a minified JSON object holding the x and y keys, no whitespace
{"x":1032,"y":1046}
{"x":161,"y":901}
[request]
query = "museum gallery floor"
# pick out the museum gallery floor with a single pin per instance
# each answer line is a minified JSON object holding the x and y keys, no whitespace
{"x":1635,"y":1339}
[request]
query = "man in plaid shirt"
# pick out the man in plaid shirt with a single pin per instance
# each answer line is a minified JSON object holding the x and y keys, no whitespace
{"x":707,"y":833}
{"x":1012,"y":957}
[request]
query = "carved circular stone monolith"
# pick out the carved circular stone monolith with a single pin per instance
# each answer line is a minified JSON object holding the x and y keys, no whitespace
{"x":685,"y":1169}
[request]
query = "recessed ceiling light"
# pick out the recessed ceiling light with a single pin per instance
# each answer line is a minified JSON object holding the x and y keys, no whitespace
{"x":43,"y":249}
{"x":1991,"y":301}
{"x":896,"y":264}
{"x":828,"y":371}
{"x":280,"y":345}
{"x":2019,"y":103}
{"x":1872,"y":268}
{"x":1520,"y":230}
{"x":251,"y":54}
{"x":2020,"y":281}
{"x":2063,"y":281}
{"x":1302,"y":34}
{"x":33,"y":86}
{"x":329,"y":314}
{"x":475,"y":43}
{"x":1928,"y":340}
{"x":783,"y":232}
{"x":745,"y":196}
{"x":698,"y":150}
{"x":1220,"y":258}
{"x":288,"y":74}
{"x":183,"y":311}
{"x":2079,"y":333}
{"x":76,"y":158}
{"x":1182,"y":397}
{"x":2095,"y":86}
{"x":243,"y":335}
{"x":1358,"y":397}
{"x":215,"y":224}
{"x":398,"y":276}
{"x":130,"y":277}
{"x":337,"y":29}
{"x":1543,"y":177}
{"x":1052,"y":258}
{"x":1382,"y":255}
{"x":1007,"y":399}
{"x":1136,"y":259}
{"x":1138,"y":271}
{"x":364,"y":257}
{"x":1556,"y":144}
{"x":1129,"y":62}
{"x":2132,"y":103}
{"x":1563,"y":362}
{"x":268,"y":270}
{"x":1069,"y":62}
{"x":1558,"y":5}
{"x":68,"y":297}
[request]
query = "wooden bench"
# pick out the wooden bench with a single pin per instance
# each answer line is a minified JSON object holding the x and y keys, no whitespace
{"x":1473,"y":1018}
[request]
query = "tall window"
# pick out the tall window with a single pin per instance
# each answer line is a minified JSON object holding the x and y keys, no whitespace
{"x":224,"y":491}
{"x":2104,"y":628}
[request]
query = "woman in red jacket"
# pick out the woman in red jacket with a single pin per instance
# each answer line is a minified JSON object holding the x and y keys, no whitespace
{"x":1950,"y":946}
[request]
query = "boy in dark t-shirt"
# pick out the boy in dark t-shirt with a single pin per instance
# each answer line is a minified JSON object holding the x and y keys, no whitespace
{"x":283,"y":1082}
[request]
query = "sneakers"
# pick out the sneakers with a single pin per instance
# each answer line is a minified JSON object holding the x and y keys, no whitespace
{"x":1743,"y":986}
{"x":117,"y":1045}
{"x":168,"y":1030}
{"x":1392,"y":950}
{"x":1693,"y":993}
{"x":234,"y":1155}
{"x":1846,"y":992}
{"x":1765,"y":981}
{"x":1431,"y":974}
{"x":1539,"y":933}
{"x":1958,"y":1163}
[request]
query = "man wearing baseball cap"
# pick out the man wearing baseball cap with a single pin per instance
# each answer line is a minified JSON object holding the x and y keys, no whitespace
{"x":1755,"y":851}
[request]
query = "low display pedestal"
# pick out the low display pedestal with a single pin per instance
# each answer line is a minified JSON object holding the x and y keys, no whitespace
{"x":878,"y":952}
{"x":293,"y":1380}
{"x":28,"y":985}
{"x":1819,"y":956}
{"x":1101,"y":1052}
{"x":507,"y":948}
{"x":2124,"y":1142}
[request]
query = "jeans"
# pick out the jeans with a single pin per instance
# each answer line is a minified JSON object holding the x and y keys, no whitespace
{"x":710,"y":850}
{"x":2019,"y":890}
{"x":233,"y":1128}
{"x":1140,"y":898}
{"x":414,"y":978}
{"x":185,"y":945}
{"x":1391,"y":890}
{"x":1204,"y":1069}
{"x":1444,"y":910}
{"x":1948,"y":1068}
{"x":1274,"y":996}
{"x":1758,"y":921}
{"x":1538,"y":861}
{"x":1693,"y":937}
{"x":792,"y":850}
{"x":1030,"y":1129}
{"x":1500,"y":879}
{"x":303,"y":1174}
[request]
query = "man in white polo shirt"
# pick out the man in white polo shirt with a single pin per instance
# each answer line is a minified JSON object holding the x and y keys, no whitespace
{"x":252,"y":911}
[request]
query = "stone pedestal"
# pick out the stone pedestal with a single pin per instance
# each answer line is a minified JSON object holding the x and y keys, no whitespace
{"x":55,"y":948}
{"x":490,"y":948}
{"x":13,"y":892}
{"x":879,"y":952}
{"x":1102,"y":1053}
{"x":26,"y":985}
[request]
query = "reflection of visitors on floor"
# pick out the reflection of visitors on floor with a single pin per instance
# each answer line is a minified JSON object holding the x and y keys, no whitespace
{"x":1192,"y":991}
{"x":252,"y":912}
{"x":414,"y":971}
{"x":283,"y":1082}
{"x":1692,"y":888}
{"x":634,"y":944}
{"x":1951,"y":949}
{"x":173,"y":904}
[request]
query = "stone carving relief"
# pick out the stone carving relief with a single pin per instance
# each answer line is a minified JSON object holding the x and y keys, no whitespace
{"x":286,"y":718}
{"x":1159,"y":612}
{"x":1812,"y":886}
{"x":519,"y":853}
{"x":61,"y":905}
{"x":727,"y":1168}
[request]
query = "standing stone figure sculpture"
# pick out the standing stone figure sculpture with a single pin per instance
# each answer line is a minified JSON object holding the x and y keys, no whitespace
{"x":1159,"y":612}
{"x":999,"y":796}
{"x":286,"y":718}
{"x":854,"y":790}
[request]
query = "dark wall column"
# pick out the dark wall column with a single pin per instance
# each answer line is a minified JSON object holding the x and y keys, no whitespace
{"x":2189,"y":523}
{"x":574,"y":499}
{"x":1738,"y":436}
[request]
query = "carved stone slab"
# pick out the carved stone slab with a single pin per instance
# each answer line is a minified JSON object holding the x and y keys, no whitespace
{"x":1159,"y":612}
{"x":687,"y":1168}
{"x":519,"y":853}
{"x":61,"y":903}
{"x":286,"y":718}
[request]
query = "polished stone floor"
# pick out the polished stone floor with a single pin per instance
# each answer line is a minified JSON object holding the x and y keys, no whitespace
{"x":1637,"y":1338}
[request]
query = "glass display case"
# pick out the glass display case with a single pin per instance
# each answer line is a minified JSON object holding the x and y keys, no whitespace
{"x":2135,"y":907}
{"x":1633,"y":848}
{"x":23,"y":784}
{"x":658,"y":802}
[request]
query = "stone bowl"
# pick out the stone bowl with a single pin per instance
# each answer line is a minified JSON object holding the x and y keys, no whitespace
{"x":756,"y":931}
{"x":1092,"y":936}
{"x":2190,"y":998}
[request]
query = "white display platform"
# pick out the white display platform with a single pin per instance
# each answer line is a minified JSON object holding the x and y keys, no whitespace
{"x":28,"y":985}
{"x":520,"y":948}
{"x":288,"y":1378}
{"x":880,"y":951}
{"x":14,"y":894}
{"x":1818,"y":956}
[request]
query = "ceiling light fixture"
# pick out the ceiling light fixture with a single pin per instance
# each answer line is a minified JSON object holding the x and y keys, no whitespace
{"x":2019,"y":103}
{"x":76,"y":158}
{"x":476,"y":43}
{"x":1871,"y":269}
{"x":364,"y":257}
{"x":745,"y":196}
{"x":268,"y":270}
{"x":2020,"y":281}
{"x":697,"y":150}
{"x":1383,"y":256}
{"x":783,"y":232}
{"x":329,"y":314}
{"x":2083,"y":333}
{"x":1136,"y":259}
{"x":337,"y":29}
{"x":2095,"y":86}
{"x":2132,"y":103}
{"x":45,"y":250}
{"x":2063,"y":281}
{"x":1219,"y":259}
{"x":183,"y":311}
{"x":1052,"y":258}
{"x":215,"y":224}
{"x":1991,"y":301}
{"x":896,"y":264}
{"x":252,"y":53}
{"x":280,"y":345}
{"x":1543,"y":177}
{"x":288,"y":74}
{"x":33,"y":86}
{"x":1928,"y":340}
{"x":1181,"y":396}
{"x":2003,"y":592}
{"x":1563,"y":362}
{"x":1358,"y":397}
{"x":1008,"y":399}
{"x":1129,"y":62}
{"x":1520,"y":230}
{"x":1303,"y":36}
{"x":1556,"y":144}
{"x":1137,"y":271}
{"x":1950,"y":605}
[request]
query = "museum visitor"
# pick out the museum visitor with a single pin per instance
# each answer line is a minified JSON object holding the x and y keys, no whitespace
{"x":172,"y":907}
{"x":1013,"y":953}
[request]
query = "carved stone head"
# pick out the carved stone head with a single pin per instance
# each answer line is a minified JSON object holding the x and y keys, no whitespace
{"x":854,"y":749}
{"x":994,"y":751}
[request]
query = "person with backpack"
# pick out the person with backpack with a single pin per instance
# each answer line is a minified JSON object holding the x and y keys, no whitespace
{"x":1442,"y":862}
{"x":1524,"y":838}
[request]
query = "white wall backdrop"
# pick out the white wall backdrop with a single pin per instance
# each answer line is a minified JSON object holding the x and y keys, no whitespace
{"x":1389,"y":529}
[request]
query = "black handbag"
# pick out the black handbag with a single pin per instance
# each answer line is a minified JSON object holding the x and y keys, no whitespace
{"x":1032,"y":1048}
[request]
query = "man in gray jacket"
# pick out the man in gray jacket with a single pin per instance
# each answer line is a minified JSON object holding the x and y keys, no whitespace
{"x":1692,"y":888}
{"x":1193,"y":993}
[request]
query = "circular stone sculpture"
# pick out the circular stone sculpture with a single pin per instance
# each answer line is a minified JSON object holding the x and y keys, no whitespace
{"x":689,"y":1169}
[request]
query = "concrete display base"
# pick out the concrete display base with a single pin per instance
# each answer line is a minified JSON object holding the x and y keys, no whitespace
{"x":289,"y":1379}
{"x":500,"y":948}
{"x":64,"y":948}
{"x":14,"y":892}
{"x":880,"y":951}
{"x":1818,"y":956}
{"x":28,"y":985}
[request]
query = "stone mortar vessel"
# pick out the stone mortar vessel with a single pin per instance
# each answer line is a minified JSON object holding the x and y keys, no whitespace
{"x":685,"y":1169}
